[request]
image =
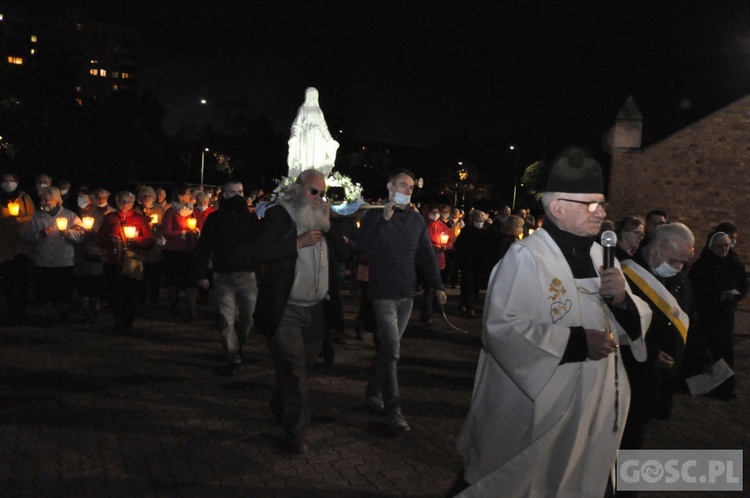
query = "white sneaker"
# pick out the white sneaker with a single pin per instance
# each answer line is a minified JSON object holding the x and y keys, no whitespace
{"x":396,"y":422}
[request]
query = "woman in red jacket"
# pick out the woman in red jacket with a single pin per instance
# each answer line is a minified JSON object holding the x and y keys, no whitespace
{"x":114,"y":237}
{"x":181,"y":238}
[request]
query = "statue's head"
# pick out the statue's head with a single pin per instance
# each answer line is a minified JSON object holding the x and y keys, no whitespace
{"x":311,"y":97}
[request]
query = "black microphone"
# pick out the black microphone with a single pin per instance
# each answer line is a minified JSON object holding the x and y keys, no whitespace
{"x":609,"y":241}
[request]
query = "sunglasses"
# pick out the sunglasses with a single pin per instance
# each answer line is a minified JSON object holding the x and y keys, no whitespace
{"x":321,"y":193}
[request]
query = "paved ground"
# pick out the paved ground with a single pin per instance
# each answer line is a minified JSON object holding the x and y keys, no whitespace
{"x":86,"y":412}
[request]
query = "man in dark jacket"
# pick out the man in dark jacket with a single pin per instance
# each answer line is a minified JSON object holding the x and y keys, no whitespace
{"x":297,"y":296}
{"x":393,"y":239}
{"x":227,"y":239}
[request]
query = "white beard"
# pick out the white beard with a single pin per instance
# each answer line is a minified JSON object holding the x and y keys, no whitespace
{"x":308,"y":215}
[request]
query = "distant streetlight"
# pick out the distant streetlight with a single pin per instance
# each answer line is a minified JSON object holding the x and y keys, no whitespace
{"x":203,"y":101}
{"x":203,"y":162}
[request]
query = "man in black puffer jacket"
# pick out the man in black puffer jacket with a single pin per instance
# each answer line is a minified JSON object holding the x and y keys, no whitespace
{"x":227,"y":239}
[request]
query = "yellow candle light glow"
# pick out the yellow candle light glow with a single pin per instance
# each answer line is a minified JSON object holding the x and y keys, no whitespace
{"x":192,"y":223}
{"x":444,"y":237}
{"x":531,"y":230}
{"x":129,"y":232}
{"x":154,"y":218}
{"x":62,"y":224}
{"x":14,"y":208}
{"x":88,"y":222}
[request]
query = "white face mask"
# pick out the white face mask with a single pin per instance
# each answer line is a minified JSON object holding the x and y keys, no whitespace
{"x":63,"y":192}
{"x":664,"y":270}
{"x":479,"y":224}
{"x":83,"y":202}
{"x":400,"y":198}
{"x":9,"y":186}
{"x":434,"y":216}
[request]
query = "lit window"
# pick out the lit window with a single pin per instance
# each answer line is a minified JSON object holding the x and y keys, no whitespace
{"x":33,"y":39}
{"x":93,"y":71}
{"x":103,"y":73}
{"x":33,"y":51}
{"x":125,"y":76}
{"x":15,"y":60}
{"x":115,"y":87}
{"x":94,"y":61}
{"x":115,"y":74}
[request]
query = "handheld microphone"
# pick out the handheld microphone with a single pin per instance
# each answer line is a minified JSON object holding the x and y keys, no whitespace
{"x":609,"y":241}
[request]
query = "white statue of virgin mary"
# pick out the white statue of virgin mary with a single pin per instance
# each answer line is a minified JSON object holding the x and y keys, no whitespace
{"x":310,"y":143}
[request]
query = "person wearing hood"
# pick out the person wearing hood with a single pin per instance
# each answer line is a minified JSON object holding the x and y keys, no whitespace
{"x":53,"y":231}
{"x":227,"y":240}
{"x":720,"y":282}
{"x":179,"y":248}
{"x":14,"y":260}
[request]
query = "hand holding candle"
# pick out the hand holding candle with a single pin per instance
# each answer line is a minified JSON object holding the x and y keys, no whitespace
{"x":13,"y":208}
{"x":192,"y":223}
{"x":88,"y":222}
{"x":62,"y":224}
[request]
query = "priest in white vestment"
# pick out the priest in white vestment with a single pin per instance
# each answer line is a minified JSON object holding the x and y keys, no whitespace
{"x":551,"y":395}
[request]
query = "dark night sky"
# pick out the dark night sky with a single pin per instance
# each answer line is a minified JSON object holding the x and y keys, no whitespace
{"x":539,"y":74}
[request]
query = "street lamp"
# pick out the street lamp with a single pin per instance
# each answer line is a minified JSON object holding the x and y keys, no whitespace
{"x":515,"y":175}
{"x":203,"y":162}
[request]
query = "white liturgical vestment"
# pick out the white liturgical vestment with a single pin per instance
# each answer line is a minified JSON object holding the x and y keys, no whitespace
{"x":536,"y":427}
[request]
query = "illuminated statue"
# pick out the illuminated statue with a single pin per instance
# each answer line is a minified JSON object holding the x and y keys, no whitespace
{"x":311,"y":144}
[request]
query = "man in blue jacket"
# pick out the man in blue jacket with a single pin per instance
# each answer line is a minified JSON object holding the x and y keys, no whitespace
{"x":394,"y":241}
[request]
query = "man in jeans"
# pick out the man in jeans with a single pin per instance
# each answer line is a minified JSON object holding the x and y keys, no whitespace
{"x":227,"y":239}
{"x":394,"y":240}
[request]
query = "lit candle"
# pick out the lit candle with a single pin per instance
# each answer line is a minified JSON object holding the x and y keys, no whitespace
{"x":13,"y":208}
{"x":88,"y":222}
{"x":154,"y":218}
{"x":192,"y":223}
{"x":129,"y":232}
{"x":62,"y":224}
{"x":531,"y":230}
{"x":444,"y":237}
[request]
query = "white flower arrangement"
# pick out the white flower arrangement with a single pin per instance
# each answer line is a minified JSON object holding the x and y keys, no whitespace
{"x":352,"y":190}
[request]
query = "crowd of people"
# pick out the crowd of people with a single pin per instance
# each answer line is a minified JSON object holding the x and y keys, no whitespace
{"x":551,"y":345}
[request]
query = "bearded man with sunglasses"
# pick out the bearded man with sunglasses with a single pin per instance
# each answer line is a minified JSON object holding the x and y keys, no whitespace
{"x":297,"y":296}
{"x":551,"y":393}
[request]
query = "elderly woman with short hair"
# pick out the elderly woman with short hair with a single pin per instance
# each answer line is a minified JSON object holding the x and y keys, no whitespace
{"x":53,"y":231}
{"x":123,"y":290}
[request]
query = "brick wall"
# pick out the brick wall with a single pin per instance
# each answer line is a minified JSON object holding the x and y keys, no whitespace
{"x":700,"y":176}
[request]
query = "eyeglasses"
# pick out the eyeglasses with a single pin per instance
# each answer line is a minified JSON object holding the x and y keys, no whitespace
{"x":314,"y":191}
{"x":640,"y":235}
{"x":591,"y":206}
